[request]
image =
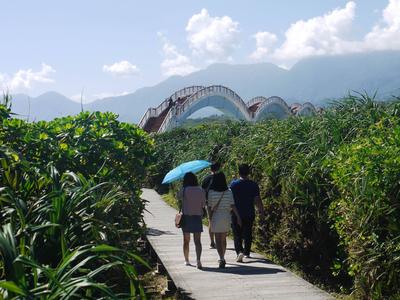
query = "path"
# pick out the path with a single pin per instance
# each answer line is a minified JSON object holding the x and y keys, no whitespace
{"x":257,"y":278}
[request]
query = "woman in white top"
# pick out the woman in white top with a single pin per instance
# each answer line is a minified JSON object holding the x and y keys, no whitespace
{"x":220,"y":205}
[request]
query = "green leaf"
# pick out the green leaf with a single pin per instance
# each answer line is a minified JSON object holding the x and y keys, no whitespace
{"x":104,"y":248}
{"x":12,"y":287}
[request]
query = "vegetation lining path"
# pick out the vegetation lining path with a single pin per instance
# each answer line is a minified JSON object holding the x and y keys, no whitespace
{"x":257,"y":278}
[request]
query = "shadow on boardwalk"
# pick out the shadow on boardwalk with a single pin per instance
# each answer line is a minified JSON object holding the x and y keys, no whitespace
{"x":243,"y":269}
{"x":157,"y":232}
{"x":255,"y":278}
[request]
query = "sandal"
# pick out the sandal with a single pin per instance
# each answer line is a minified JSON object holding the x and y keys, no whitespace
{"x":221,"y":263}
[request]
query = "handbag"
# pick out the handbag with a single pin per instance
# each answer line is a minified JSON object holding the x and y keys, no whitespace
{"x":179,"y":220}
{"x":179,"y":215}
{"x":205,"y":211}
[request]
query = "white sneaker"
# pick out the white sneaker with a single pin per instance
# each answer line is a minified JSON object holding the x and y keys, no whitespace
{"x":187,"y":263}
{"x":239,"y":258}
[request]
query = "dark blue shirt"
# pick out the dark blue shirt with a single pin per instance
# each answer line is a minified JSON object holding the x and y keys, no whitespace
{"x":244,"y":193}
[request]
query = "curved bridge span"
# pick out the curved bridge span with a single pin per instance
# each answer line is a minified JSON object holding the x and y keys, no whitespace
{"x":173,"y":111}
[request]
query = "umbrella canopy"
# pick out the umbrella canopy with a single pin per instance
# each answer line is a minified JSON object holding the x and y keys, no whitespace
{"x":180,"y":171}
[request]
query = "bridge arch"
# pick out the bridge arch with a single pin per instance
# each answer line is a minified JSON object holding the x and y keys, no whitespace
{"x":186,"y":91}
{"x":174,"y":110}
{"x":307,"y":109}
{"x":274,"y":107}
{"x":217,"y":96}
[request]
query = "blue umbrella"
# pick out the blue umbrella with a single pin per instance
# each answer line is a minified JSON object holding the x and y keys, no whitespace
{"x":180,"y":171}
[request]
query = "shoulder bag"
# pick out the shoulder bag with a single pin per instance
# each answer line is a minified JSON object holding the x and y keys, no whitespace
{"x":214,"y":209}
{"x":179,"y":215}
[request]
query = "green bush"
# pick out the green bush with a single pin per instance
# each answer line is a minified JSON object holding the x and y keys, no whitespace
{"x":294,"y":161}
{"x":367,"y":213}
{"x":70,"y":206}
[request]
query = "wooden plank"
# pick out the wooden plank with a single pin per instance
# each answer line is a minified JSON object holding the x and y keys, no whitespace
{"x":256,"y":278}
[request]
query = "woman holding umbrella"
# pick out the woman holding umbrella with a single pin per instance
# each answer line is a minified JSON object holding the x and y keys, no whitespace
{"x":193,"y":200}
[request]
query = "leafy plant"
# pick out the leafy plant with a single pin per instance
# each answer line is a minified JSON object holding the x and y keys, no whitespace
{"x":70,"y":206}
{"x":307,"y":170}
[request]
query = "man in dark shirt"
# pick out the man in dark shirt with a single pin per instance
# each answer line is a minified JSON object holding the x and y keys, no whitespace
{"x":206,"y":184}
{"x":246,"y":194}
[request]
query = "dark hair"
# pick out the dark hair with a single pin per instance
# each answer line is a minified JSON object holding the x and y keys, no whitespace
{"x":244,"y":170}
{"x":190,"y":180}
{"x":219,"y":182}
{"x":215,"y":166}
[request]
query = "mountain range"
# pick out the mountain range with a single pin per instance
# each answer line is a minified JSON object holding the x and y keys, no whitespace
{"x":317,"y":79}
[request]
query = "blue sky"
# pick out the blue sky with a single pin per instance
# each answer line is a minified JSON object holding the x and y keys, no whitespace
{"x":114,"y":47}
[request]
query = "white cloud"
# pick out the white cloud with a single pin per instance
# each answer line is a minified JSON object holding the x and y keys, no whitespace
{"x":212,"y":38}
{"x":329,"y":35}
{"x":323,"y":35}
{"x":122,"y":68}
{"x":24,"y":79}
{"x":174,"y":63}
{"x":93,"y":97}
{"x":264,"y":42}
{"x":77,"y":98}
{"x":387,"y":35}
{"x":107,"y":95}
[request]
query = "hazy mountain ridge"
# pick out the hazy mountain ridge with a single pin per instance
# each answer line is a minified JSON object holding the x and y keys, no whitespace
{"x":314,"y":79}
{"x":47,"y":106}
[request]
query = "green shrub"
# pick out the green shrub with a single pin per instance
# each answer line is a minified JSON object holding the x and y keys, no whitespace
{"x":294,"y":161}
{"x":367,"y":214}
{"x":70,"y":205}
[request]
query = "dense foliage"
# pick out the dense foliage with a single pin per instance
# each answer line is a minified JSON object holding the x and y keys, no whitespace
{"x":329,"y":184}
{"x":70,"y":206}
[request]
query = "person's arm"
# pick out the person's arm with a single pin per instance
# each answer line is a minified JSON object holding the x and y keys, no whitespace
{"x":257,"y":201}
{"x":259,"y":205}
{"x":203,"y":200}
{"x":235,"y":211}
{"x":208,"y":206}
{"x":179,"y":196}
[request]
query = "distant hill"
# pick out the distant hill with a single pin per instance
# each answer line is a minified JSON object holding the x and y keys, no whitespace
{"x":47,"y":106}
{"x":314,"y":79}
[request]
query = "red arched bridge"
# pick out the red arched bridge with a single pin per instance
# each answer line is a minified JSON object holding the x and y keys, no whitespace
{"x":173,"y":111}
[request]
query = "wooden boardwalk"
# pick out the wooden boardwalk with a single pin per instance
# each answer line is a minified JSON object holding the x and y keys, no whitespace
{"x":256,"y":278}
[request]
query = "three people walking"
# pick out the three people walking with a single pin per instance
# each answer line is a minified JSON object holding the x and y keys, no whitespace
{"x":227,"y":208}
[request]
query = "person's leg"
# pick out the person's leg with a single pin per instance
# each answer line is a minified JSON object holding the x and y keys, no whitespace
{"x":212,"y":236}
{"x":219,"y":245}
{"x":197,"y":243}
{"x":223,"y":237}
{"x":248,"y":235}
{"x":186,"y":240}
{"x":237,"y":236}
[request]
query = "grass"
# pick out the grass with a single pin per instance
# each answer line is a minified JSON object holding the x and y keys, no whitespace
{"x":171,"y":200}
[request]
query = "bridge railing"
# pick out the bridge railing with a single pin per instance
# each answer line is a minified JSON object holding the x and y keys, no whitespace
{"x":200,"y":92}
{"x":166,"y":121}
{"x":147,"y":115}
{"x":186,"y":91}
{"x":155,"y":112}
{"x":258,"y":99}
{"x":209,"y":90}
{"x":179,"y":109}
{"x":306,"y":105}
{"x":274,"y":99}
